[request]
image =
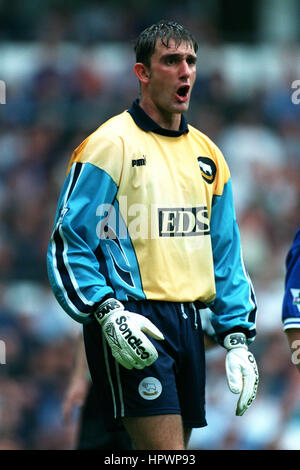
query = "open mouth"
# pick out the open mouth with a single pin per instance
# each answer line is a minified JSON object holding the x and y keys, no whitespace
{"x":182,"y":92}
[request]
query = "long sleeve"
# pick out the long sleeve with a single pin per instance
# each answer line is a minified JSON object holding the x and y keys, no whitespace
{"x":75,"y":274}
{"x":234,"y":307}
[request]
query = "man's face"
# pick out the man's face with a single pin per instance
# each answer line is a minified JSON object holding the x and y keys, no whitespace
{"x":172,"y":76}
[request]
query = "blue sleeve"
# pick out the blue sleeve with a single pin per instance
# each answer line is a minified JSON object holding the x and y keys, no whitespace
{"x":73,"y":267}
{"x":234,"y":307}
{"x":291,"y":299}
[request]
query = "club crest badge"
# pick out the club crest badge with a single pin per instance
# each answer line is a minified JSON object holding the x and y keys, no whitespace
{"x":150,"y":388}
{"x":208,"y":169}
{"x":296,"y":297}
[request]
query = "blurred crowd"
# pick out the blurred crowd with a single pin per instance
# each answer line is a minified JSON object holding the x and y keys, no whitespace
{"x":45,"y":117}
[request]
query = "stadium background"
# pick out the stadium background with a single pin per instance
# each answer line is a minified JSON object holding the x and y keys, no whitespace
{"x":67,"y":67}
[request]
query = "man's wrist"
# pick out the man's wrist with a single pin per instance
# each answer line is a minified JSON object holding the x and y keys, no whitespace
{"x":235,"y":340}
{"x":106,"y":307}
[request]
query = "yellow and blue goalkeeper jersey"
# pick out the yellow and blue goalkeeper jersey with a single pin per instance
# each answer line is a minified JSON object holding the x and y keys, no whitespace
{"x":147,"y":213}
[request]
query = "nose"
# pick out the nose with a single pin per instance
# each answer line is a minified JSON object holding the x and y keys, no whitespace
{"x":185,"y":69}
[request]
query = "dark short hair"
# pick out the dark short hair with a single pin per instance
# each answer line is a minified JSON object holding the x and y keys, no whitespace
{"x":165,"y":30}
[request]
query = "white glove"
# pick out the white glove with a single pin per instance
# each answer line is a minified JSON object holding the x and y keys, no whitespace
{"x":123,"y":331}
{"x":241,"y":370}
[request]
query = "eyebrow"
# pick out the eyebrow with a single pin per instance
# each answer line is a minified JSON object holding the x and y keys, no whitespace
{"x":177,"y":56}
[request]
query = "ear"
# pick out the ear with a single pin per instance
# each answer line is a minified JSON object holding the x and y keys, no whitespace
{"x":142,"y":72}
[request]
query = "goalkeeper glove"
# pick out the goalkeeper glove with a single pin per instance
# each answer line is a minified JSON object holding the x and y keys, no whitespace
{"x":241,"y":370}
{"x":123,"y":331}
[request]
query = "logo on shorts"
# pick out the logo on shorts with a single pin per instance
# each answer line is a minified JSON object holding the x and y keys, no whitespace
{"x":150,"y":388}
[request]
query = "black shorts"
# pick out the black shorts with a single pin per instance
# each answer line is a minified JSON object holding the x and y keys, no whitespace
{"x":93,"y":433}
{"x":173,"y":384}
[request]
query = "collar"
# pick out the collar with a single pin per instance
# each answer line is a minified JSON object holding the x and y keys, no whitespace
{"x":147,"y":124}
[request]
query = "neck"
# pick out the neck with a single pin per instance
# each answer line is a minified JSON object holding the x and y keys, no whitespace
{"x":164,"y":119}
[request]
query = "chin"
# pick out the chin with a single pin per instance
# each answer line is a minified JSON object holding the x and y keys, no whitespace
{"x":181,"y":107}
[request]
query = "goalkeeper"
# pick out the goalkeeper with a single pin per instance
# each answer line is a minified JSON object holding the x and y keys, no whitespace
{"x":145,"y":236}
